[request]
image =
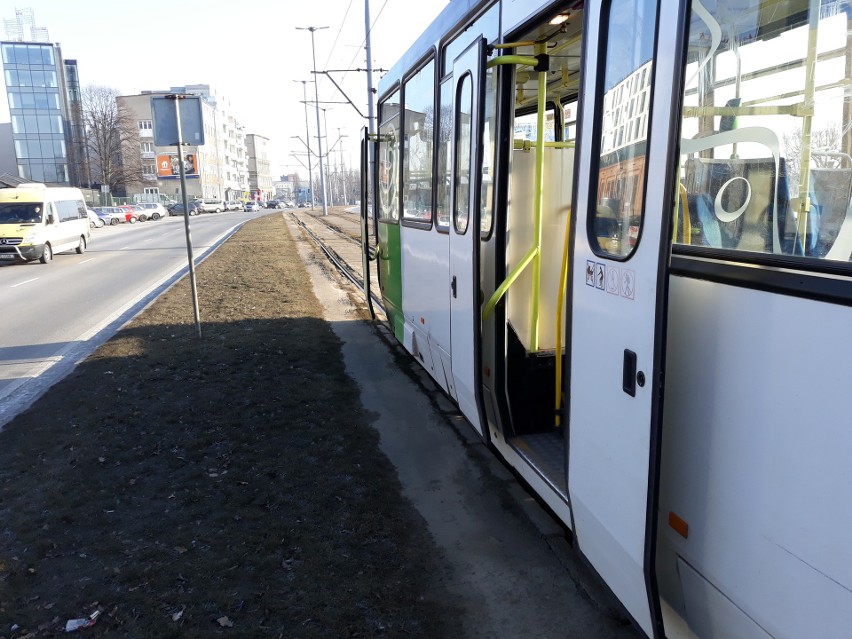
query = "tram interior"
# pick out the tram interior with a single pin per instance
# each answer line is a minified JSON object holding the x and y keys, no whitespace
{"x":533,"y":338}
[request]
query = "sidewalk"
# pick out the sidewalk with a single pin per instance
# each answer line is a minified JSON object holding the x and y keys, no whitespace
{"x":240,"y":485}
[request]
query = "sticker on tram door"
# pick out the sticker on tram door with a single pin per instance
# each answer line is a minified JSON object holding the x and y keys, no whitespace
{"x":613,"y":280}
{"x":600,"y":276}
{"x":590,"y":273}
{"x":628,"y":283}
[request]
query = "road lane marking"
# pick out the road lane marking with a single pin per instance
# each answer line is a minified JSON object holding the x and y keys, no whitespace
{"x":124,"y":247}
{"x":89,"y":260}
{"x":24,"y":282}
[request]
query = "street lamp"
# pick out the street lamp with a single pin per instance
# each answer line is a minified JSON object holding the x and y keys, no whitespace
{"x":319,"y":130}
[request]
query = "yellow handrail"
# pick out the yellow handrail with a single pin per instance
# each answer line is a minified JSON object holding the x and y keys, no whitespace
{"x":560,"y":302}
{"x":539,"y":200}
{"x":510,"y":279}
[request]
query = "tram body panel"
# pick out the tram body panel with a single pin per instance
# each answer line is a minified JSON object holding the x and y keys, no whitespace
{"x":426,"y":299}
{"x":756,"y":455}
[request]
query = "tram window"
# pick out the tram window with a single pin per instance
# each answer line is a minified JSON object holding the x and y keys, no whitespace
{"x":616,"y":223}
{"x":766,"y":148}
{"x":444,"y":164}
{"x":486,"y":206}
{"x":419,"y":138}
{"x":388,"y":159}
{"x":464,"y":140}
{"x":526,"y":126}
{"x":569,"y":128}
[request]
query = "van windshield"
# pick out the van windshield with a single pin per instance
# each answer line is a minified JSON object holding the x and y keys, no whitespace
{"x":20,"y":212}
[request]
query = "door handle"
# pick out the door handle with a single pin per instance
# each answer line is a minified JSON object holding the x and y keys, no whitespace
{"x":628,"y":373}
{"x":453,"y":286}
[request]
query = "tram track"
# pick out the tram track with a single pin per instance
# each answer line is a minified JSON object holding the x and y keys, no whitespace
{"x":342,"y":249}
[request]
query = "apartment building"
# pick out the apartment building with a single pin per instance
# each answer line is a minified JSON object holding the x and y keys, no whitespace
{"x":260,"y":177}
{"x":216,"y":169}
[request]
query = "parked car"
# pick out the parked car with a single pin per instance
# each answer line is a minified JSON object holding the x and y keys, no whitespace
{"x":103,"y":215}
{"x":94,"y":221}
{"x":130,"y":213}
{"x":153,"y":211}
{"x":251,"y":206}
{"x":233,"y":205}
{"x":177,"y":209}
{"x":210,"y":205}
{"x":114,"y":214}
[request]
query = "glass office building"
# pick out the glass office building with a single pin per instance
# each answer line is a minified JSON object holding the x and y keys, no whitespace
{"x":35,"y":117}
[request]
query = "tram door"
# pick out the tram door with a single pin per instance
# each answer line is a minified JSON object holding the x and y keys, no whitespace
{"x":618,"y":292}
{"x":464,"y":229}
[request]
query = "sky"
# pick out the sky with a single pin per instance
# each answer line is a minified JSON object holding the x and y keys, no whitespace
{"x":248,"y":51}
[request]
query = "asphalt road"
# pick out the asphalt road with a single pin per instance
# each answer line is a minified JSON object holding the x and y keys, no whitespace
{"x":54,"y":315}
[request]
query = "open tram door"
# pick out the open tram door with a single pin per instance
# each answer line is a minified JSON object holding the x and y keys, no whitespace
{"x":465,"y":328}
{"x":618,"y":294}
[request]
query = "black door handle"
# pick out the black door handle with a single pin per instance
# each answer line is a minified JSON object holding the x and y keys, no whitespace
{"x":628,"y":374}
{"x":453,"y":286}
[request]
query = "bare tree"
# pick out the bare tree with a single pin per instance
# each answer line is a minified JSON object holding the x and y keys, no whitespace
{"x":825,"y":139}
{"x":112,"y":139}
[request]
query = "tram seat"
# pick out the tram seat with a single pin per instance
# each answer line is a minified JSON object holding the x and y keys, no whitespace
{"x":731,"y":201}
{"x":831,"y":206}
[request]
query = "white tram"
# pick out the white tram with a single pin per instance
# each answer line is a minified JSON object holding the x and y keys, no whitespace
{"x":618,"y":234}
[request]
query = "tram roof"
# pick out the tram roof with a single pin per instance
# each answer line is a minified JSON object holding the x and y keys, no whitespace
{"x":452,"y":16}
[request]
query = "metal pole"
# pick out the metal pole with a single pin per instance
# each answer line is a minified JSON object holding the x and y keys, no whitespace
{"x":343,"y":180}
{"x":319,"y":127}
{"x":371,"y":116}
{"x":197,"y":315}
{"x":327,"y":159}
{"x":308,"y":135}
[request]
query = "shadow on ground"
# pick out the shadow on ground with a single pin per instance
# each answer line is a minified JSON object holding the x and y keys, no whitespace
{"x":183,"y":485}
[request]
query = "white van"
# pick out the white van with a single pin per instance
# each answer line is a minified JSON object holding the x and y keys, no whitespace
{"x":37,"y":221}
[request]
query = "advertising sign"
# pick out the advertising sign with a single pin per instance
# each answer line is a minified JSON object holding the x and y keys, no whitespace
{"x":168,"y":165}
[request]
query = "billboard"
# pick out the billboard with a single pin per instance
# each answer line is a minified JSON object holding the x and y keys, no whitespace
{"x":165,"y":120}
{"x":168,"y":166}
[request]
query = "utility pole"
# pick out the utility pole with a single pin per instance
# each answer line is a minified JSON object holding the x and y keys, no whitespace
{"x":327,"y":154}
{"x":319,"y":130}
{"x":308,"y":136}
{"x":344,"y":181}
{"x":371,"y":116}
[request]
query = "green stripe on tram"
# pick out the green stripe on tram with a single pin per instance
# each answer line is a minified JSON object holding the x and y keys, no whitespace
{"x":390,"y":271}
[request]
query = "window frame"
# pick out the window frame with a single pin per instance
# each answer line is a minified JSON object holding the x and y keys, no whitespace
{"x":421,"y":64}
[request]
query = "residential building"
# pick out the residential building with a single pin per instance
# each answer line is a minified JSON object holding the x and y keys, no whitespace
{"x":286,"y":188}
{"x":260,"y":178}
{"x":216,"y":169}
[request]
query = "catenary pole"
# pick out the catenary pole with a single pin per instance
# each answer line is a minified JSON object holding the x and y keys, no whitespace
{"x":319,"y":127}
{"x":371,"y":116}
{"x":308,"y":136}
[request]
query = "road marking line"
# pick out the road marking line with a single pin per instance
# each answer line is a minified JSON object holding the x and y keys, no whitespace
{"x":24,"y":282}
{"x":124,"y":247}
{"x":89,"y":260}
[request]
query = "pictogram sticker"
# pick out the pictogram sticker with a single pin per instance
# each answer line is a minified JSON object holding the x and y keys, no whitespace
{"x":600,"y":275}
{"x":628,"y":283}
{"x":613,"y":280}
{"x":590,"y":273}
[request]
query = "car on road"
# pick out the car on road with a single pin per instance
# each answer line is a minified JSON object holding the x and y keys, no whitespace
{"x":251,"y":206}
{"x":94,"y":221}
{"x":233,"y":205}
{"x":177,"y":209}
{"x":272,"y":204}
{"x":153,"y":210}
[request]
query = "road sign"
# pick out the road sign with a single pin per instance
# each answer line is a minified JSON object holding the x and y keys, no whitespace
{"x":165,"y":120}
